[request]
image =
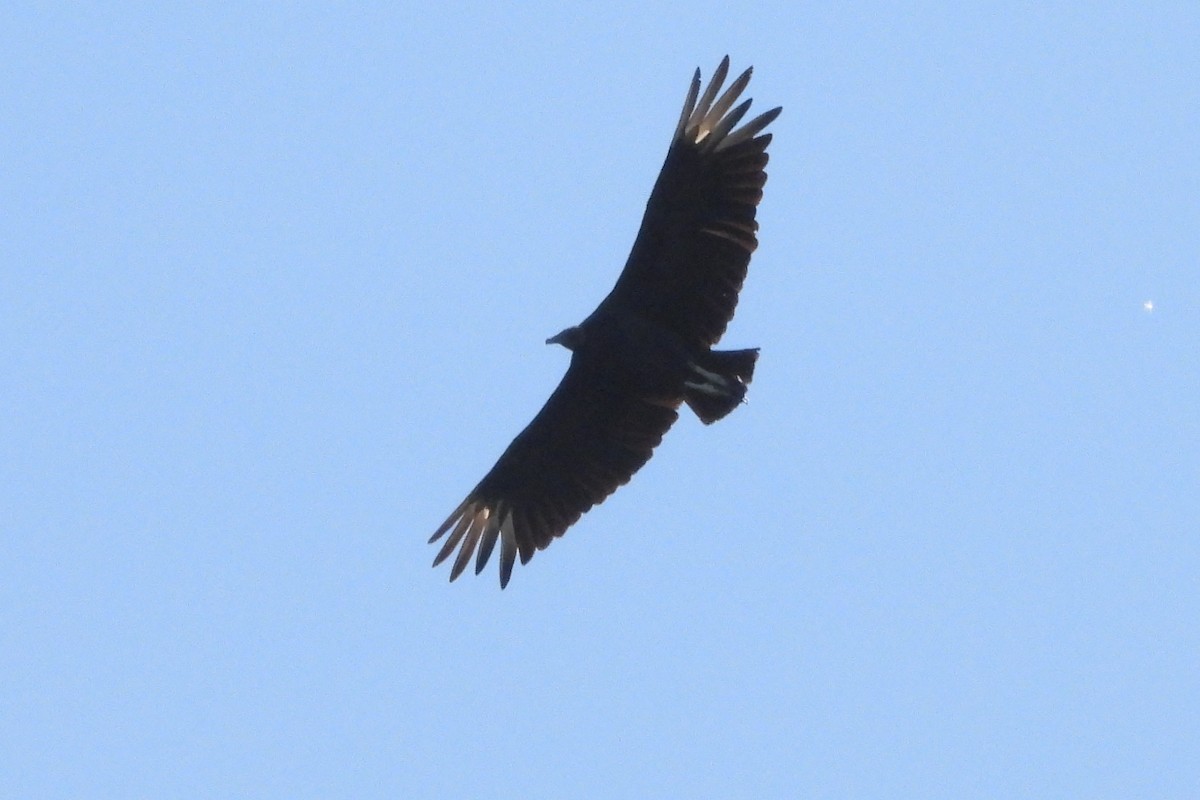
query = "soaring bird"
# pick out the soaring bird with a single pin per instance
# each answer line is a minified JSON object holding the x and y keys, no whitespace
{"x":646,"y":348}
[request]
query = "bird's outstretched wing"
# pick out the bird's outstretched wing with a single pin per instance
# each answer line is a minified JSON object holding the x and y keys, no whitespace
{"x":690,"y":256}
{"x":586,"y":441}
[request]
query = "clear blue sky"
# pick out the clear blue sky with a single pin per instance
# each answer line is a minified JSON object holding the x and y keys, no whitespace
{"x":273,"y":291}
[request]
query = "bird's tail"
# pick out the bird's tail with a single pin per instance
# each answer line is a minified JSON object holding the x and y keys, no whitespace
{"x":717,"y":382}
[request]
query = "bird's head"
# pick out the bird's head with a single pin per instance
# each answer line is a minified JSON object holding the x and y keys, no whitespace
{"x":571,"y":338}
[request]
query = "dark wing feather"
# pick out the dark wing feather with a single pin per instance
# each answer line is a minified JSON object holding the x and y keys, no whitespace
{"x":586,"y":441}
{"x":691,"y":253}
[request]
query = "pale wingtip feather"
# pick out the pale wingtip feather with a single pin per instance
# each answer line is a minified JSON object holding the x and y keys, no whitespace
{"x":705,"y":103}
{"x":750,"y":129}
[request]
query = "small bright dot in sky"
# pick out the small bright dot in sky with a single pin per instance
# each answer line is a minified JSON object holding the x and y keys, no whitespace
{"x":1148,"y":305}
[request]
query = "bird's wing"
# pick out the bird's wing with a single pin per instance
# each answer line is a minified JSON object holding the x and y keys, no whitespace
{"x":586,"y":441}
{"x":690,"y":256}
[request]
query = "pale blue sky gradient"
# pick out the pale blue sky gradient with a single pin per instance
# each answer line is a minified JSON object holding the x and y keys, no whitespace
{"x":274,"y":282}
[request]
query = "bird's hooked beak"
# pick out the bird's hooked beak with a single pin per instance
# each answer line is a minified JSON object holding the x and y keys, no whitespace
{"x":567,"y":338}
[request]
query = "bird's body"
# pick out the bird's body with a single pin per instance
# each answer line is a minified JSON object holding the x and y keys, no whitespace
{"x":644,"y":351}
{"x":627,"y":350}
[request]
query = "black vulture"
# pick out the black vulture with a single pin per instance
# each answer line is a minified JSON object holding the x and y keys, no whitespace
{"x":644,"y":350}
